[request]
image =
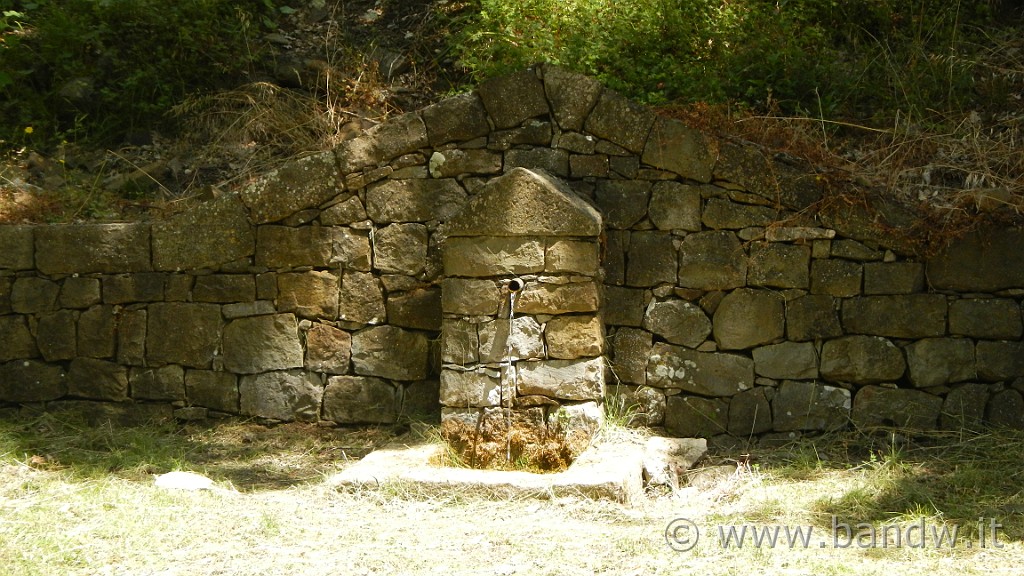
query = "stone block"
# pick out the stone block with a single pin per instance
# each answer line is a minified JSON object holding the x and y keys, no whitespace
{"x":906,"y":316}
{"x":621,"y":121}
{"x":572,"y":96}
{"x":675,"y":206}
{"x":182,"y":333}
{"x":990,"y":318}
{"x":678,"y":322}
{"x":213,"y":390}
{"x":460,"y":342}
{"x":986,"y":260}
{"x":853,"y":250}
{"x":397,"y":136}
{"x":571,"y":337}
{"x":286,"y":396}
{"x":1006,"y":410}
{"x":746,"y":318}
{"x":999,"y":360}
{"x":226,"y":288}
{"x":499,"y":340}
{"x":139,"y":287}
{"x":575,"y":256}
{"x":493,"y":256}
{"x":812,"y":317}
{"x":17,"y":339}
{"x":360,"y":299}
{"x":311,"y":294}
{"x":722,"y":214}
{"x":350,"y":249}
{"x":470,"y":297}
{"x":131,"y":338}
{"x":87,"y":248}
{"x":712,"y":261}
{"x":623,"y":306}
{"x":79,"y":292}
{"x":415,"y":200}
{"x":652,"y":259}
{"x":778,"y":265}
{"x":862,"y":360}
{"x":964,"y":408}
{"x":164,"y":383}
{"x":345,"y":212}
{"x":97,"y":380}
{"x":588,"y":166}
{"x":694,"y":417}
{"x":704,"y":373}
{"x":836,"y":277}
{"x":635,"y":405}
{"x":328,"y":349}
{"x":296,"y":185}
{"x":479,"y":388}
{"x":531,"y":133}
{"x":459,"y":118}
{"x":895,"y":407}
{"x":456,"y":162}
{"x":360,"y":400}
{"x":545,"y":298}
{"x":390,"y":352}
{"x":678,"y":148}
{"x":514,"y":98}
{"x":562,"y":379}
{"x":787,"y":361}
{"x":750,"y":413}
{"x":31,"y":295}
{"x":57,"y":335}
{"x":623,"y":202}
{"x":893,"y":277}
{"x":419,"y":309}
{"x":940,"y":361}
{"x":400,"y":249}
{"x":287,"y":247}
{"x":17,"y":250}
{"x":613,"y":260}
{"x":262,"y":343}
{"x":552,"y":161}
{"x":207,"y":236}
{"x":631,"y":349}
{"x":97,"y":332}
{"x":31,"y":381}
{"x":810,"y":406}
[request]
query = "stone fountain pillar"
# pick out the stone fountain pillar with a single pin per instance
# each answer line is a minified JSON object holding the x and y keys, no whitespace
{"x":522,"y":337}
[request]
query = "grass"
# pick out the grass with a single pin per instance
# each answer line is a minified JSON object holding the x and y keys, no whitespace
{"x":76,"y":500}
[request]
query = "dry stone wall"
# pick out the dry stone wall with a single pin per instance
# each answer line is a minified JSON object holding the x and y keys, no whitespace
{"x":731,"y":305}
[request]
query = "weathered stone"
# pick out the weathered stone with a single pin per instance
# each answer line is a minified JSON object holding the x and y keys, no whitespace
{"x":225,"y":288}
{"x":360,"y":400}
{"x":581,"y":420}
{"x":470,"y":297}
{"x":414,"y":200}
{"x":812,"y":317}
{"x":651,"y":260}
{"x":810,"y":406}
{"x":30,"y":295}
{"x":17,"y":339}
{"x":999,"y":360}
{"x":707,"y":374}
{"x":262,"y":343}
{"x":207,"y":236}
{"x":97,"y":380}
{"x":747,"y":165}
{"x":97,"y":332}
{"x":164,"y":383}
{"x":460,"y":343}
{"x":676,"y":147}
{"x":907,"y":316}
{"x":419,"y":309}
{"x":613,"y":260}
{"x":456,"y":162}
{"x":725,"y":214}
{"x":402,"y":135}
{"x":499,"y":344}
{"x":588,"y":166}
{"x":893,"y":278}
{"x":348,"y":211}
{"x":493,"y":256}
{"x":902,"y":408}
{"x":750,"y":413}
{"x":552,"y":161}
{"x":311,"y":294}
{"x":327,"y":349}
{"x":31,"y":381}
{"x":627,"y":167}
{"x":16,"y":247}
{"x":532,"y":133}
{"x":870,"y":221}
{"x":621,"y":121}
{"x":712,"y":261}
{"x":570,"y":337}
{"x":690,"y":416}
{"x":853,"y":250}
{"x":390,"y":352}
{"x":85,"y":248}
{"x":513,"y":98}
{"x":675,"y":206}
{"x":544,"y":298}
{"x":214,"y":390}
{"x":180,"y":333}
{"x":191,"y":413}
{"x":562,"y":379}
{"x":940,"y":361}
{"x":861,"y":360}
{"x":290,"y":395}
{"x":478,"y":388}
{"x":139,"y":287}
{"x":678,"y":322}
{"x":799,"y":233}
{"x":747,"y":318}
{"x":79,"y":292}
{"x":635,"y":405}
{"x":287,"y":247}
{"x":360,"y":299}
{"x":779,"y":265}
{"x":623,"y":202}
{"x":243,"y":309}
{"x":631,"y":349}
{"x":579,"y":257}
{"x":462,"y":117}
{"x":572,"y":96}
{"x":298,"y":184}
{"x":987,"y":260}
{"x":623,"y":306}
{"x":57,"y":335}
{"x":131,"y":338}
{"x":835,"y":277}
{"x":787,"y":360}
{"x":178,"y":287}
{"x":964,"y":408}
{"x":991,"y":319}
{"x":526,"y":203}
{"x":1006,"y":410}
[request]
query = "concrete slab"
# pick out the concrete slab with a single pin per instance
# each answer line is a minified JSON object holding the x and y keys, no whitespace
{"x":605,"y":471}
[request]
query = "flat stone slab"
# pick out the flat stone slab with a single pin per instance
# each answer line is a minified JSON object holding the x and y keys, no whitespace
{"x":605,"y":471}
